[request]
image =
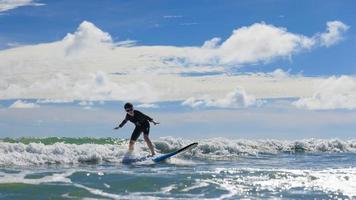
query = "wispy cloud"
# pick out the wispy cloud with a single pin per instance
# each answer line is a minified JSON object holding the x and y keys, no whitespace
{"x":23,"y":104}
{"x":12,"y":4}
{"x":188,"y":23}
{"x":172,"y":16}
{"x":147,"y":105}
{"x":53,"y":101}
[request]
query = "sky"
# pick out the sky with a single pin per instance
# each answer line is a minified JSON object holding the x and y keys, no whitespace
{"x":204,"y":69}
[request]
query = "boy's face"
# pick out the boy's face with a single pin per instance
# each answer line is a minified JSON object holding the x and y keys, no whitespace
{"x":129,"y":111}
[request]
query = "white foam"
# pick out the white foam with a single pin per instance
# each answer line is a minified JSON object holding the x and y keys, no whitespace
{"x":215,"y":149}
{"x":198,"y":184}
{"x":61,"y":177}
{"x":225,"y":148}
{"x":60,"y":153}
{"x":168,"y":188}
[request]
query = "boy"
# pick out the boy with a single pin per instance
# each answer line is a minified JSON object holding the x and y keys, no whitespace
{"x":142,"y":124}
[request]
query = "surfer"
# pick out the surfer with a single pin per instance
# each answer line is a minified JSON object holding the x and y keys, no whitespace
{"x":142,"y":124}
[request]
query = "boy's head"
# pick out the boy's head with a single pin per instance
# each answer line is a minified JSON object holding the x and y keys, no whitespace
{"x":128,"y":107}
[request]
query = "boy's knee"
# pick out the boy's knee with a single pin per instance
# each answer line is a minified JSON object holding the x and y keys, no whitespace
{"x":146,"y":137}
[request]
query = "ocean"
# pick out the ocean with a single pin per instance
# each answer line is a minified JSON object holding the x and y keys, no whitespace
{"x":218,"y":168}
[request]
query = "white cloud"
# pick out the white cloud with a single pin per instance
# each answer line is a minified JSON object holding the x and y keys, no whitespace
{"x":333,"y":34}
{"x":235,"y":99}
{"x":332,"y":93}
{"x":87,"y":37}
{"x":211,"y":44}
{"x":280,"y":73}
{"x":23,"y":104}
{"x":261,"y":42}
{"x":188,"y":23}
{"x":147,"y":105}
{"x":89,"y":48}
{"x":43,"y":101}
{"x":94,"y":86}
{"x":12,"y":4}
{"x":13,"y":44}
{"x":126,"y":43}
{"x":88,"y":65}
{"x":172,"y":16}
{"x":86,"y":103}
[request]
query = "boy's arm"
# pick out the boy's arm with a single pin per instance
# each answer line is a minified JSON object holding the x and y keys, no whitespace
{"x":122,"y":123}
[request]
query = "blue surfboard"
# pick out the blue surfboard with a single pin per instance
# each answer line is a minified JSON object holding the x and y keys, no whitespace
{"x":164,"y":157}
{"x":160,"y":158}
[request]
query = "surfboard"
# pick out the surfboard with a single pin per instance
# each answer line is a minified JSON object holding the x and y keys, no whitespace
{"x":164,"y":157}
{"x":159,"y":158}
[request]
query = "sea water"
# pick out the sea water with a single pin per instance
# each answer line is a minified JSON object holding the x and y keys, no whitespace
{"x":219,"y":168}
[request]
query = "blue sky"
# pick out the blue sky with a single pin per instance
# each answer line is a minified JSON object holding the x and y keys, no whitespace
{"x":267,"y":93}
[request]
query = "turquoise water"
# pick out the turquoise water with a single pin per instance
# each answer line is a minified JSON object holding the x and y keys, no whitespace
{"x":217,"y":169}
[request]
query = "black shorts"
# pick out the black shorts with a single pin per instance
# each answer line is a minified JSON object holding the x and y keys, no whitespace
{"x":138,"y":129}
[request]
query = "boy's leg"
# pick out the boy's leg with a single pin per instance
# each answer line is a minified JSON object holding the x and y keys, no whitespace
{"x":149,"y":144}
{"x":146,"y":131}
{"x":135,"y":134}
{"x":131,"y":145}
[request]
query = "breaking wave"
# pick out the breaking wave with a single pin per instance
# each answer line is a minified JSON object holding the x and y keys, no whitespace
{"x":53,"y":150}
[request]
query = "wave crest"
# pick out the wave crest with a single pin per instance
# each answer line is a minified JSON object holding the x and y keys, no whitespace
{"x":38,"y":153}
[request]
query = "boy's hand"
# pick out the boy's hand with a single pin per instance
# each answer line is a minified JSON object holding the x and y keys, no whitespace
{"x":155,"y":123}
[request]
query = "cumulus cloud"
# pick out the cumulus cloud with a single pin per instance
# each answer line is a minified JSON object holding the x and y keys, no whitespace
{"x":332,"y":93}
{"x":235,"y":99}
{"x":280,"y":73}
{"x":12,"y":4}
{"x":89,"y":65}
{"x":211,"y":44}
{"x":261,"y":42}
{"x":87,"y":37}
{"x":23,"y":104}
{"x":334,"y":33}
{"x":90,"y":48}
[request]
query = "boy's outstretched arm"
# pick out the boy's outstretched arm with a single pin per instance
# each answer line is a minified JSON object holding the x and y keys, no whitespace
{"x":121,"y":124}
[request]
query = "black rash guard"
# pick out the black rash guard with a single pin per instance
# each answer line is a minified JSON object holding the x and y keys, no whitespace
{"x":139,"y":119}
{"x":141,"y":122}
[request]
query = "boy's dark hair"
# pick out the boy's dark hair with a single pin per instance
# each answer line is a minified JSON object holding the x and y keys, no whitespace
{"x":128,"y":105}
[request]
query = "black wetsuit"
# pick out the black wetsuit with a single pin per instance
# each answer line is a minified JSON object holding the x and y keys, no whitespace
{"x":141,"y":122}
